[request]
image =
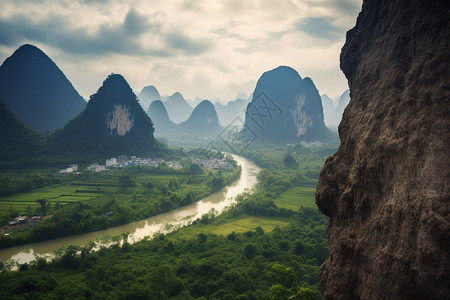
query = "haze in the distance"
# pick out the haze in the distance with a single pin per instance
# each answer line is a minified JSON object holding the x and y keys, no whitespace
{"x":210,"y":49}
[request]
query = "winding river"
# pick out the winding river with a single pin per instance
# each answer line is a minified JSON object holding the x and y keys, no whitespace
{"x":162,"y":223}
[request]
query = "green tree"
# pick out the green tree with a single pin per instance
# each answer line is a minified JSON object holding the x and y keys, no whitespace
{"x":126,"y":181}
{"x":290,"y":162}
{"x":196,"y":169}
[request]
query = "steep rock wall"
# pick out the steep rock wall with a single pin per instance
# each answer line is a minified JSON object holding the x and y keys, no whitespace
{"x":386,"y":190}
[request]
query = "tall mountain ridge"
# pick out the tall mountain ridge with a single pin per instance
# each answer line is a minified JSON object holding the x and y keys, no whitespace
{"x":37,"y":91}
{"x":113,"y":123}
{"x":285,"y":107}
{"x":386,"y":190}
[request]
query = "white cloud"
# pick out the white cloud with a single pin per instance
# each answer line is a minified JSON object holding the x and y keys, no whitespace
{"x":203,"y":48}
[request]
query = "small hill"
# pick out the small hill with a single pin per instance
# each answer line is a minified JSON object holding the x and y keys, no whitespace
{"x":37,"y":91}
{"x":177,"y":108}
{"x":147,"y":96}
{"x":17,"y":139}
{"x":203,"y":118}
{"x":286,"y":108}
{"x":113,"y":123}
{"x":158,"y":114}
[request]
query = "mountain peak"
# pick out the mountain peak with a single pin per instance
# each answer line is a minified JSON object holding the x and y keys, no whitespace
{"x":203,"y":117}
{"x":158,"y":114}
{"x":113,"y":122}
{"x":147,"y":95}
{"x":295,"y":106}
{"x":37,"y":91}
{"x":177,"y":107}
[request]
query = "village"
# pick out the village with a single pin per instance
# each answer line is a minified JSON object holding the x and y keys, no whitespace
{"x":119,"y":162}
{"x":123,"y":161}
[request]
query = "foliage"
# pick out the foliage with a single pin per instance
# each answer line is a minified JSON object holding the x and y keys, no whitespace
{"x":290,"y":162}
{"x":80,"y":202}
{"x":233,"y":266}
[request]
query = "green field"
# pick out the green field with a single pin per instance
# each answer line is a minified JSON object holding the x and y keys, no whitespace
{"x":226,"y":226}
{"x":296,"y":197}
{"x":80,"y":190}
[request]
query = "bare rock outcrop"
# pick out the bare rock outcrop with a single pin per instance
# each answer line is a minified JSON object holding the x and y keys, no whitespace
{"x":386,"y":190}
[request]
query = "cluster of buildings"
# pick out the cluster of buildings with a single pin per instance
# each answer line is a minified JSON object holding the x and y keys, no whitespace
{"x":312,"y":144}
{"x":213,"y":163}
{"x":123,"y":161}
{"x":71,"y":169}
{"x":20,"y":220}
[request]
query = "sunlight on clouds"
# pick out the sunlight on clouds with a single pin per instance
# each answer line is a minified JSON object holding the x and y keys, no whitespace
{"x":203,"y":48}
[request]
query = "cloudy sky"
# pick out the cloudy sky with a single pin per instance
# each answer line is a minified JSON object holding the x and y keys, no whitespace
{"x":207,"y":48}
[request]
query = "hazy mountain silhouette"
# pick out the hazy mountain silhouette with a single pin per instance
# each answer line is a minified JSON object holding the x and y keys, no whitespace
{"x":286,"y":107}
{"x":230,"y":111}
{"x":203,"y":118}
{"x":113,"y":123}
{"x":177,"y":108}
{"x":343,"y":102}
{"x":37,"y":91}
{"x":195,"y":102}
{"x":161,"y":121}
{"x":332,"y":113}
{"x":147,"y":96}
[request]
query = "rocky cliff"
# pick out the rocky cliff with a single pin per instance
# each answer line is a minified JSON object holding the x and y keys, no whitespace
{"x":386,"y":190}
{"x":286,"y":107}
{"x":112,"y":124}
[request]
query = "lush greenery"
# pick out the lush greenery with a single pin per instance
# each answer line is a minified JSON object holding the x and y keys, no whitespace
{"x":269,"y":246}
{"x":231,"y":265}
{"x":81,"y":202}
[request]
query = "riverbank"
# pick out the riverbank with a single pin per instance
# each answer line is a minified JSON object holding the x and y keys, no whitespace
{"x":165,"y":222}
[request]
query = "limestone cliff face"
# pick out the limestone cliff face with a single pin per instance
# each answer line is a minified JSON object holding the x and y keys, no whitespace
{"x":386,"y":190}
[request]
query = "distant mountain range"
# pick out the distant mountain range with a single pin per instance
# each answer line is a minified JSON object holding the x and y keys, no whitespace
{"x":177,"y":108}
{"x":202,"y":119}
{"x":37,"y":91}
{"x":230,"y":111}
{"x":286,"y":108}
{"x":332,"y":113}
{"x":147,"y":96}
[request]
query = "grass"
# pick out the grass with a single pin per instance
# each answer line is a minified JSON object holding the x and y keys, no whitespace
{"x":227,"y":226}
{"x":80,"y":190}
{"x":296,"y":197}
